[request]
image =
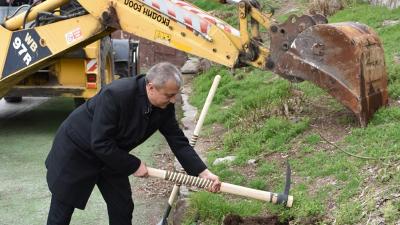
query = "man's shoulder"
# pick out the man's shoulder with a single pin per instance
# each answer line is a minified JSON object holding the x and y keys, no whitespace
{"x":125,"y":83}
{"x":124,"y":86}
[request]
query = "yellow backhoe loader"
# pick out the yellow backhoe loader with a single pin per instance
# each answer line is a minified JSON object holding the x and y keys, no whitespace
{"x":80,"y":73}
{"x":345,"y":59}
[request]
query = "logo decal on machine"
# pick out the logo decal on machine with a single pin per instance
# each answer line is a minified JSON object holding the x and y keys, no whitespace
{"x":73,"y":36}
{"x":24,"y":50}
{"x":148,"y":12}
{"x":162,"y":37}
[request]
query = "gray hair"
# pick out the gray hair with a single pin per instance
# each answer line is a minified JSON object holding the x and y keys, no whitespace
{"x":160,"y":73}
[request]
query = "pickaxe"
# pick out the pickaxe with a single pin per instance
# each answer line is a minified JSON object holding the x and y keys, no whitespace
{"x":184,"y":179}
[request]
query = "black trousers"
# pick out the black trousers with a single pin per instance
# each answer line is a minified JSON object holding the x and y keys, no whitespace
{"x":117,"y":194}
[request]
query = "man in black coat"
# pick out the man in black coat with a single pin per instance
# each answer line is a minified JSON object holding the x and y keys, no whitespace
{"x":92,"y":145}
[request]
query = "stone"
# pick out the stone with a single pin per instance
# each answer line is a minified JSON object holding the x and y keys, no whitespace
{"x":386,"y":23}
{"x":397,"y":58}
{"x":184,"y":191}
{"x":227,"y":159}
{"x":205,"y":65}
{"x":191,"y":66}
{"x":252,"y":162}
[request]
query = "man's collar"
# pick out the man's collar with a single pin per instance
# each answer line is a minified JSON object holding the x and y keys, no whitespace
{"x":147,"y":107}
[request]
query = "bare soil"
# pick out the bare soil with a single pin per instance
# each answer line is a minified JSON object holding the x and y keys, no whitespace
{"x":152,"y":187}
{"x":151,"y":194}
{"x":252,"y":220}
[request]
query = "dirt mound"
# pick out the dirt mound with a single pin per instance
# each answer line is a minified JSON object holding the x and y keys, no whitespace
{"x":252,"y":220}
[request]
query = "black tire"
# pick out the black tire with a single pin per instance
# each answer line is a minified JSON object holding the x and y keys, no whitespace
{"x":78,"y":102}
{"x":14,"y":99}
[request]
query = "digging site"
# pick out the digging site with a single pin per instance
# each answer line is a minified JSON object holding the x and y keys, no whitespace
{"x":199,"y":112}
{"x":340,"y":170}
{"x":328,"y":124}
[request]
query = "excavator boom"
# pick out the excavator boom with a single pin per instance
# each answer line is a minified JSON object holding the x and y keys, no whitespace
{"x":344,"y":59}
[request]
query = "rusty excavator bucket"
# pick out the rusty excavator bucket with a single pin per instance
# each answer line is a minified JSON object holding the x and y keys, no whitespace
{"x":345,"y":59}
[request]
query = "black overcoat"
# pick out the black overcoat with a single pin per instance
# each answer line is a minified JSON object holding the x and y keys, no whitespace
{"x":99,"y":135}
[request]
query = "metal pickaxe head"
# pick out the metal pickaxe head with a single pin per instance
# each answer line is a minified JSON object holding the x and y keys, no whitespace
{"x":284,"y":198}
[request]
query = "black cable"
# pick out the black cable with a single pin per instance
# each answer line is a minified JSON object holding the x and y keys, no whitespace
{"x":27,"y":12}
{"x":47,"y":18}
{"x":16,"y":11}
{"x":357,"y":156}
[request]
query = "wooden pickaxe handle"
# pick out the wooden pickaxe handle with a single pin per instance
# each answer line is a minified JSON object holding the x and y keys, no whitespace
{"x":192,"y":143}
{"x":188,"y":180}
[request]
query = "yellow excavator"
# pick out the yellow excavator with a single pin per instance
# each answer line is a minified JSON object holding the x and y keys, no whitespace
{"x":345,"y":59}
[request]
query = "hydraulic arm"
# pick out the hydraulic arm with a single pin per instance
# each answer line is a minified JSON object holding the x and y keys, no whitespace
{"x":344,"y":59}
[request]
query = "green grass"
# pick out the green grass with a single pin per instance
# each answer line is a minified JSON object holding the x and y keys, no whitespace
{"x":272,"y":137}
{"x":244,"y":86}
{"x":228,"y":13}
{"x":391,"y":212}
{"x":313,"y":139}
{"x":267,"y":169}
{"x":228,"y":174}
{"x":329,"y":182}
{"x":350,"y":213}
